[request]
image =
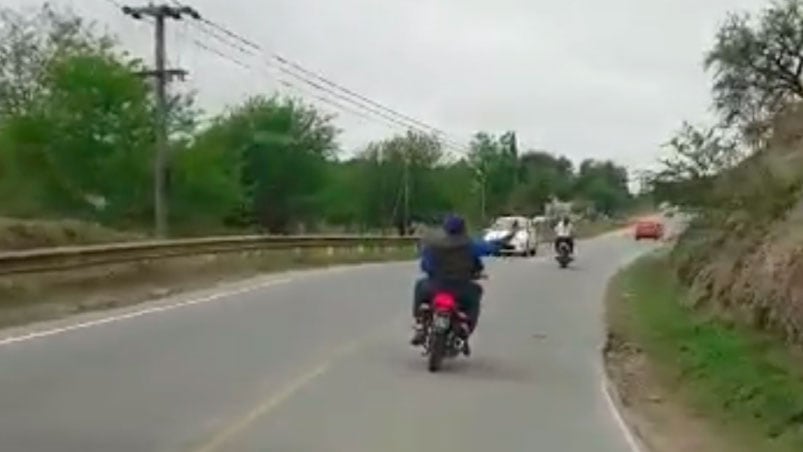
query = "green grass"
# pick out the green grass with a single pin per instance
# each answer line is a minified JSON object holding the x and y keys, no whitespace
{"x":748,"y":384}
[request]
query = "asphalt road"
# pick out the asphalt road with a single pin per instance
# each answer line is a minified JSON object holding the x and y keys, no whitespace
{"x":319,"y":361}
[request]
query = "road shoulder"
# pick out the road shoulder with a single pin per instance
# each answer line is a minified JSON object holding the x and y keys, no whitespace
{"x":685,"y":382}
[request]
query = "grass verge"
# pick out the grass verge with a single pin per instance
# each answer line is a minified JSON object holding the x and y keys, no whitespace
{"x":47,"y":296}
{"x":691,"y":382}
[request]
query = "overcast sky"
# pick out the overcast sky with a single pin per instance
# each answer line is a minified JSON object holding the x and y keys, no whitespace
{"x":591,"y":78}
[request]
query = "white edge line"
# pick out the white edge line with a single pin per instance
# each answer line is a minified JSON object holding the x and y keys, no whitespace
{"x":606,"y":385}
{"x":620,"y":420}
{"x":139,"y":313}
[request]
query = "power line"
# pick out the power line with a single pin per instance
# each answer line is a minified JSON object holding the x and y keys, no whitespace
{"x":201,"y":45}
{"x":115,"y":3}
{"x":198,"y":43}
{"x":319,"y":82}
{"x":283,"y":82}
{"x":304,"y":79}
{"x":378,"y":115}
{"x":247,"y":47}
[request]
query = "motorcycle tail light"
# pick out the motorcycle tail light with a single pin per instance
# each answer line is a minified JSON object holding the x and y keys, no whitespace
{"x":444,"y":302}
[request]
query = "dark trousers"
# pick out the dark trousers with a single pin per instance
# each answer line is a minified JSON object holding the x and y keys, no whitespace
{"x":567,"y":240}
{"x":468,"y":294}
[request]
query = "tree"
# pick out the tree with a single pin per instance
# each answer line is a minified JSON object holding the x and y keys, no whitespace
{"x":758,"y":65}
{"x":495,"y":164}
{"x":604,"y":184}
{"x":79,"y":147}
{"x":280,"y":147}
{"x":75,"y":121}
{"x":697,"y":156}
{"x":30,"y":42}
{"x":207,"y":189}
{"x":399,"y":180}
{"x":543,"y":176}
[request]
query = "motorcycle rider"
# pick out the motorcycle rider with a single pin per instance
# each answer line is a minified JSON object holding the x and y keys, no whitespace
{"x":451,"y":261}
{"x":564,"y":233}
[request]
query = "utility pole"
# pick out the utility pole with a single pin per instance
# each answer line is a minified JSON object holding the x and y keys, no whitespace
{"x":514,"y":152}
{"x":480,"y":180}
{"x":482,"y":200}
{"x":406,"y":216}
{"x":161,"y":75}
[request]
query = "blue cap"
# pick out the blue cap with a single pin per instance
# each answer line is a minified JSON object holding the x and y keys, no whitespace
{"x":454,"y":225}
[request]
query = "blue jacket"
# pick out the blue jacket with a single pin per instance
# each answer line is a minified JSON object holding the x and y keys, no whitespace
{"x":480,"y":248}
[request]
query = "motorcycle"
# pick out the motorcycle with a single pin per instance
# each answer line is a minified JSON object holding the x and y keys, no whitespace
{"x":564,"y":256}
{"x":446,"y":329}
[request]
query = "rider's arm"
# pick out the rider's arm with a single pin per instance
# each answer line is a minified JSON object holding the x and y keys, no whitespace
{"x":483,"y":248}
{"x":479,"y":267}
{"x":427,"y":265}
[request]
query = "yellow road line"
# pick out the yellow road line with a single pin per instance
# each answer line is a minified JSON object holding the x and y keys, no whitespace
{"x":268,"y":405}
{"x":264,"y":408}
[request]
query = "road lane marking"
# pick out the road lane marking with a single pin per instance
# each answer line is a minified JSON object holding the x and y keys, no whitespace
{"x":139,"y":313}
{"x":264,"y":408}
{"x":275,"y":400}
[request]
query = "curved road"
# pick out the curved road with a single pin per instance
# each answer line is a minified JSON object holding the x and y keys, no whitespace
{"x":318,"y":361}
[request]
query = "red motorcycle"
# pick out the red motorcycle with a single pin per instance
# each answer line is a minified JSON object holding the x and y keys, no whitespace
{"x":445,"y":327}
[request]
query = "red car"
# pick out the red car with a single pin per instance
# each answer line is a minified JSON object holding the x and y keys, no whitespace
{"x":649,"y":229}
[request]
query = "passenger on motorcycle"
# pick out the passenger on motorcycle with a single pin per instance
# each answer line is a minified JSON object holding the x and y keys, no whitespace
{"x":564,"y":233}
{"x":451,"y":261}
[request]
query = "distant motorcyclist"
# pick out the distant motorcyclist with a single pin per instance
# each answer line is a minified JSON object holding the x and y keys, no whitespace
{"x":451,"y":261}
{"x":564,"y":233}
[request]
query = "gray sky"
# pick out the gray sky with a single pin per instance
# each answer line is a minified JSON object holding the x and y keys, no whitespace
{"x":591,"y":78}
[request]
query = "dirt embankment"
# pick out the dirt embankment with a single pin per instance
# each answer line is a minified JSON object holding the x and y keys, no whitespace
{"x":744,"y":262}
{"x":18,"y":234}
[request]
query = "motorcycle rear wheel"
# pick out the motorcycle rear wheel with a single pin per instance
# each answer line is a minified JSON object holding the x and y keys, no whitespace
{"x":437,"y":350}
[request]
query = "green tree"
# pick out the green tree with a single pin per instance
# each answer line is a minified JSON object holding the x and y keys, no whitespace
{"x":604,"y":184}
{"x":698,"y":155}
{"x":399,"y":178}
{"x":758,"y":64}
{"x":207,"y":190}
{"x":29,"y":43}
{"x":80,"y":147}
{"x":543,"y":177}
{"x":281,"y":147}
{"x":495,"y":166}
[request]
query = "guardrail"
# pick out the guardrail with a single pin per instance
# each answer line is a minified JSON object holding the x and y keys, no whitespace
{"x":64,"y":258}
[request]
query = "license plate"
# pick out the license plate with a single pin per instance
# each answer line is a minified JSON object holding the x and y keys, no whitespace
{"x":441,"y":322}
